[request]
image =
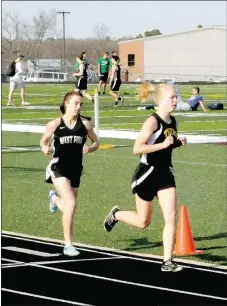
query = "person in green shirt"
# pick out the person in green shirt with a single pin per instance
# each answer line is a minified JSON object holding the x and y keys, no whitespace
{"x":103,"y":71}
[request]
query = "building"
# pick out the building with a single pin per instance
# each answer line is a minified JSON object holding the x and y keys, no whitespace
{"x":47,"y":65}
{"x":196,"y":55}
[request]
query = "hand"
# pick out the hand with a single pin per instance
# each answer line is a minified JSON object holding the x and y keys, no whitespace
{"x":86,"y":149}
{"x":46,"y":149}
{"x":74,"y":74}
{"x":168,"y":141}
{"x":183,"y":140}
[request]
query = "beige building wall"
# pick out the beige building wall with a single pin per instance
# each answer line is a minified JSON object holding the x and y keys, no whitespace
{"x":199,"y":55}
{"x":196,"y":55}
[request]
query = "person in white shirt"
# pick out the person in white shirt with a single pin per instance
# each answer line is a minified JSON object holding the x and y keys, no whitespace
{"x":17,"y":81}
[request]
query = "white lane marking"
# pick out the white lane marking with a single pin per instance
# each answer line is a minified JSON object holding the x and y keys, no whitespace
{"x":30,"y":252}
{"x":24,"y":264}
{"x":43,"y":297}
{"x":115,"y":280}
{"x":106,"y":251}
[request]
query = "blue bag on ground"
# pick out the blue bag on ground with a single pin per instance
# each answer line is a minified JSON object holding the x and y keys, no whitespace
{"x":215,"y":106}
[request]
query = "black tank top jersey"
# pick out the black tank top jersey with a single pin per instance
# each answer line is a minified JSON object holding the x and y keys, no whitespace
{"x":68,"y":143}
{"x":162,"y":157}
{"x":85,"y":71}
{"x":118,"y":73}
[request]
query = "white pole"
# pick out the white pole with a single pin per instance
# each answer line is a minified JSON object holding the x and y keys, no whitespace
{"x":96,"y":109}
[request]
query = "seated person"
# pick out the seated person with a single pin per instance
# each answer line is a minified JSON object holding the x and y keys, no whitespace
{"x":179,"y":98}
{"x":193,"y":102}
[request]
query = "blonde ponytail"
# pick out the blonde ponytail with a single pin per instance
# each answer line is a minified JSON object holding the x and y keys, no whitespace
{"x":145,"y":91}
{"x":156,"y":92}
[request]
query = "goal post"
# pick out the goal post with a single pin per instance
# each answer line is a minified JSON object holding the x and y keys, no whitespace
{"x":96,"y":110}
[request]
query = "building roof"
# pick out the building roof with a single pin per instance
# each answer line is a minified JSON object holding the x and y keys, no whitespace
{"x":218,"y":27}
{"x":49,"y":62}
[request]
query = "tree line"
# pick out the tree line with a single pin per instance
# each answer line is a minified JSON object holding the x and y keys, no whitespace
{"x":39,"y":38}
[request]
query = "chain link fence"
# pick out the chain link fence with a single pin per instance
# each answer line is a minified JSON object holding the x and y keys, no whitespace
{"x":138,"y":74}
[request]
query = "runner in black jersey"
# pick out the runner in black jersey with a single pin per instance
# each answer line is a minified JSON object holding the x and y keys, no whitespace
{"x":115,"y":81}
{"x":69,"y":134}
{"x":154,"y":175}
{"x":81,"y":75}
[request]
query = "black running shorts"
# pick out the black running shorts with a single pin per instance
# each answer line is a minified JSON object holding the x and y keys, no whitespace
{"x":115,"y":85}
{"x":104,"y":77}
{"x":57,"y":169}
{"x":147,"y":180}
{"x":82,"y":84}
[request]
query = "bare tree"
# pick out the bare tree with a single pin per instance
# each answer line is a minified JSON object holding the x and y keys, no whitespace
{"x":25,"y":37}
{"x":40,"y":39}
{"x":56,"y":38}
{"x":42,"y":25}
{"x":11,"y":34}
{"x":102,"y":39}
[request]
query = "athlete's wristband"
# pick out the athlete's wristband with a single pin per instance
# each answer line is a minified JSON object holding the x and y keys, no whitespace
{"x":178,"y":143}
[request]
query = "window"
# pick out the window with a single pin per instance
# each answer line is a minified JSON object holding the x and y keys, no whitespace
{"x":55,"y":76}
{"x":61,"y":76}
{"x":131,"y":59}
{"x":47,"y":75}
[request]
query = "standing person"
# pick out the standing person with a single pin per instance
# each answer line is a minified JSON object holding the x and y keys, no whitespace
{"x":103,"y":71}
{"x":69,"y":134}
{"x":17,"y":81}
{"x":115,"y":81}
{"x":81,"y":75}
{"x":154,"y":175}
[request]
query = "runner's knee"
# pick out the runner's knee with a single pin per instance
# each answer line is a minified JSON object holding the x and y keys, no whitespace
{"x":143,"y":223}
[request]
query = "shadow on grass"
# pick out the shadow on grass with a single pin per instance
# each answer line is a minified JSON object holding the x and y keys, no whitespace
{"x":24,"y":146}
{"x":142,"y":243}
{"x":16,"y":169}
{"x":214,"y":248}
{"x":216,"y":236}
{"x":211,"y":257}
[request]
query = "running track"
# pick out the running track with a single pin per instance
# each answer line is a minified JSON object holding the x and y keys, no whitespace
{"x":34,"y":272}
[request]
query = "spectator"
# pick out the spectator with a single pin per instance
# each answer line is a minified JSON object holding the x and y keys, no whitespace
{"x":17,"y":81}
{"x":103,"y":71}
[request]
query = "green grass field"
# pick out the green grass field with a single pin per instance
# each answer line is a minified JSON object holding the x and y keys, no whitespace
{"x":200,"y":175}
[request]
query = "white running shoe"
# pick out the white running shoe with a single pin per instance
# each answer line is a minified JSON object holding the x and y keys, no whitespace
{"x":53,"y":207}
{"x":25,"y":103}
{"x":70,"y":251}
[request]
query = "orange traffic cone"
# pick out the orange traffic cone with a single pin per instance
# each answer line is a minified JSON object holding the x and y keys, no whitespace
{"x":184,"y":241}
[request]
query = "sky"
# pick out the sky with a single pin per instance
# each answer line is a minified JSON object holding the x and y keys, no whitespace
{"x":125,"y":18}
